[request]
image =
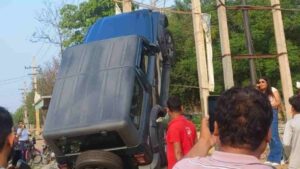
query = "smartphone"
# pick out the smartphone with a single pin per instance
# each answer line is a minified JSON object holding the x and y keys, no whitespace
{"x":212,"y":103}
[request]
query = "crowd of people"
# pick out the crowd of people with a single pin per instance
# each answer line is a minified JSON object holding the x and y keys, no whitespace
{"x":245,"y":123}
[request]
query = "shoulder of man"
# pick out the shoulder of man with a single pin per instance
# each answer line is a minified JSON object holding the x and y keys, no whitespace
{"x":189,"y":163}
{"x":19,"y":130}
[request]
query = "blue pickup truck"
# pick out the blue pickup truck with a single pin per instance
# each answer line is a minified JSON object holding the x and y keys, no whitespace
{"x":109,"y":92}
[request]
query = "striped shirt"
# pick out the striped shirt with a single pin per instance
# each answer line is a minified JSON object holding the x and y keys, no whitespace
{"x":221,"y":160}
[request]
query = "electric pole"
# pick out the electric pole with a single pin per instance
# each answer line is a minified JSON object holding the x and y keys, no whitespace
{"x":201,"y":55}
{"x":127,"y":6}
{"x":153,"y":3}
{"x":249,"y":44}
{"x":25,"y":113}
{"x":37,"y":96}
{"x":283,"y":60}
{"x":225,"y":46}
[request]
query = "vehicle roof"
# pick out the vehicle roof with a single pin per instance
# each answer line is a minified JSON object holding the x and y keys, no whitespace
{"x":94,"y":86}
{"x":142,"y":23}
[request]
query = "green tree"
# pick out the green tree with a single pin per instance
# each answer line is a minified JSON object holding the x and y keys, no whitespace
{"x":184,"y":78}
{"x":75,"y":20}
{"x":30,"y":108}
{"x":18,"y":115}
{"x":184,"y":71}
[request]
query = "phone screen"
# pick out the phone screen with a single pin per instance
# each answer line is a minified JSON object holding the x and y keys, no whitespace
{"x":212,"y":103}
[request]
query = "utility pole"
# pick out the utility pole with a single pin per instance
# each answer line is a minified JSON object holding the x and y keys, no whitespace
{"x":153,"y":3}
{"x":127,"y":6}
{"x":225,"y":47}
{"x":200,"y":54}
{"x":249,"y":44}
{"x":284,"y":66}
{"x":25,"y":113}
{"x":37,"y":96}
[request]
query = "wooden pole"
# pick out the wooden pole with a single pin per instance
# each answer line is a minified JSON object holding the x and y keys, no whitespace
{"x":37,"y":122}
{"x":200,"y":54}
{"x":127,"y":6}
{"x":284,"y":66}
{"x":36,"y":96}
{"x":225,"y":46}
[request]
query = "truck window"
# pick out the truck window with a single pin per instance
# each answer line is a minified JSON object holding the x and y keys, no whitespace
{"x":136,"y":104}
{"x":137,"y":98}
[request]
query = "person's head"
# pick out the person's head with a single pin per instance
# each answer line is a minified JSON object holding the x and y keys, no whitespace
{"x":6,"y":136}
{"x":174,"y":105}
{"x":243,"y":117}
{"x":21,"y":124}
{"x":295,"y":103}
{"x":263,"y":84}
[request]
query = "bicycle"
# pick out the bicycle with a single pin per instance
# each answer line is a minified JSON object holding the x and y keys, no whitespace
{"x":47,"y":154}
{"x":32,"y":155}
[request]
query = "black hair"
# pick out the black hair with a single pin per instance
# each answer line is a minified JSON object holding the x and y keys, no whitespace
{"x":244,"y":116}
{"x":295,"y":102}
{"x":174,"y":104}
{"x":268,"y":91}
{"x":6,"y":124}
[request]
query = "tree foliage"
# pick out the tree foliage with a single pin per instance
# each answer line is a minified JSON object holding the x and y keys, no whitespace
{"x":49,"y":30}
{"x":46,"y":80}
{"x":18,"y":115}
{"x":77,"y":19}
{"x":185,"y":71}
{"x":30,"y":107}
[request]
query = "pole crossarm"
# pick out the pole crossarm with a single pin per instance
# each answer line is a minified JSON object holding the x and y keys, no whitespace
{"x":256,"y":7}
{"x":259,"y":56}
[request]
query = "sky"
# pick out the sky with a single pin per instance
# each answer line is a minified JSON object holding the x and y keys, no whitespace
{"x":17,"y":24}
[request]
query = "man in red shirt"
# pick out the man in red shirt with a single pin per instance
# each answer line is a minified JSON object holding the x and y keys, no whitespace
{"x":181,"y":133}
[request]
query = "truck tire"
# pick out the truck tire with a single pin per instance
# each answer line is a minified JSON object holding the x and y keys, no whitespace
{"x":167,"y":47}
{"x":98,"y":159}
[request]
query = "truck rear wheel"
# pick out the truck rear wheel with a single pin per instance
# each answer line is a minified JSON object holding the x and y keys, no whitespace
{"x":98,"y":159}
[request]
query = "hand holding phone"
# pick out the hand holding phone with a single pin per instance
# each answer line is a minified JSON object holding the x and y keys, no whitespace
{"x":212,"y":103}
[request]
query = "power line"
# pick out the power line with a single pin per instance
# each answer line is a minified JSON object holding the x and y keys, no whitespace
{"x":256,"y":7}
{"x":46,"y":51}
{"x":38,"y":52}
{"x":157,"y":8}
{"x":11,"y":82}
{"x":185,"y":86}
{"x":236,"y":7}
{"x":11,"y":79}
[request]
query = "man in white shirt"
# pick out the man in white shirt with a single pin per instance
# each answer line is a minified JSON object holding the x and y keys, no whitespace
{"x":291,"y":137}
{"x":23,"y":138}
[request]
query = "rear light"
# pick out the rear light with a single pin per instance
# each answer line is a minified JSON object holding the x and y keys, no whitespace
{"x":141,"y":159}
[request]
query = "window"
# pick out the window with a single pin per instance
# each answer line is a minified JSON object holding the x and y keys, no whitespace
{"x":137,"y":98}
{"x":136,"y":104}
